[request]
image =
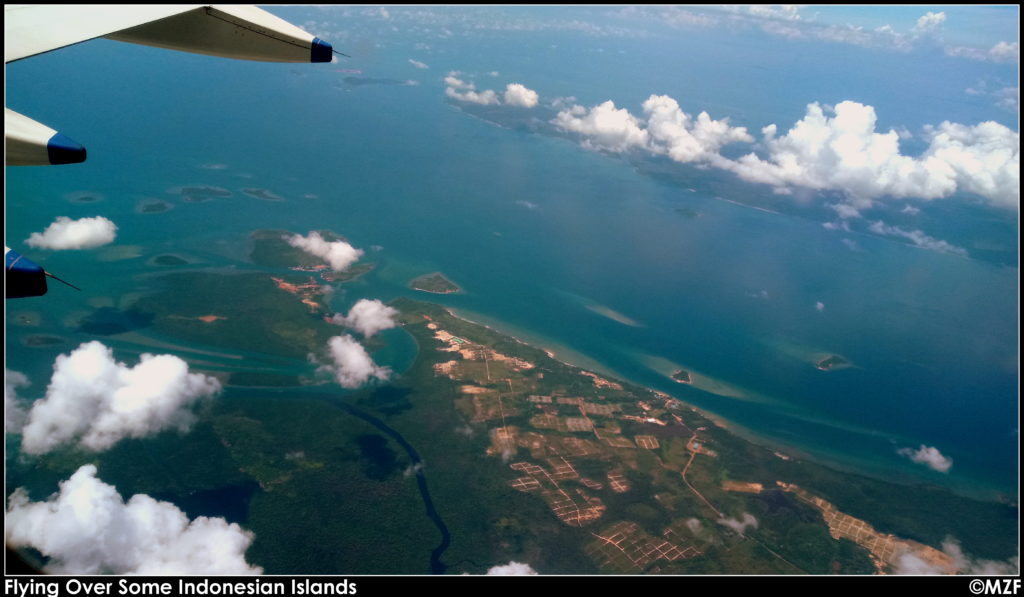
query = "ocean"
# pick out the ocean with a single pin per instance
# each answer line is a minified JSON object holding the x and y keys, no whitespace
{"x":577,"y":251}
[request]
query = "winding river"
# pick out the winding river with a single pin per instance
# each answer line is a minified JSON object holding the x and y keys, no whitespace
{"x":436,"y":565}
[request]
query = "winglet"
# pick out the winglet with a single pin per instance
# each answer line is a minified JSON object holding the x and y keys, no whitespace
{"x":31,"y":143}
{"x":321,"y":51}
{"x":21,"y":276}
{"x":61,"y":150}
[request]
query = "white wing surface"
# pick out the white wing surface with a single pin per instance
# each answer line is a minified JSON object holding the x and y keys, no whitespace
{"x":244,"y":32}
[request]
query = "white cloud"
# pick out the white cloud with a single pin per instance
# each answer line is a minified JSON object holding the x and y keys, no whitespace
{"x":917,"y":237}
{"x":695,"y":526}
{"x":352,"y":366}
{"x":1009,"y":98}
{"x":910,"y":210}
{"x":14,"y":414}
{"x":928,"y":456}
{"x":518,"y":95}
{"x":740,"y":526}
{"x":785,"y":12}
{"x":909,"y":563}
{"x":97,"y":401}
{"x":851,"y":244}
{"x":929,"y":24}
{"x":338,"y":254}
{"x":843,"y":152}
{"x":486,"y":97}
{"x":65,"y":233}
{"x":452,"y":80}
{"x":984,"y":159}
{"x":87,"y":528}
{"x":412,"y":469}
{"x":830,"y":148}
{"x":418,"y":64}
{"x":667,"y":131}
{"x":1005,"y":52}
{"x":368,"y":317}
{"x":675,"y":133}
{"x":604,"y":127}
{"x":819,"y":306}
{"x":1001,"y":52}
{"x":512,"y":569}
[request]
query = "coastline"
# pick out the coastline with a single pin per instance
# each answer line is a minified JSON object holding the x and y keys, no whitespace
{"x":838,"y":461}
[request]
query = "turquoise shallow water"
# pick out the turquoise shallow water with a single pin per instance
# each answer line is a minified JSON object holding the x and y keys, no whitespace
{"x":547,"y":239}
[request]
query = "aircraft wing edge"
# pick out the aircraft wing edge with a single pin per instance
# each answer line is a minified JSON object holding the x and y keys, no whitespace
{"x":232,"y":31}
{"x":32,"y":143}
{"x":36,"y":29}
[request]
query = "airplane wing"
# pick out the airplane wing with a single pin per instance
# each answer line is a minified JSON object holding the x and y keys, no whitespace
{"x":244,"y":32}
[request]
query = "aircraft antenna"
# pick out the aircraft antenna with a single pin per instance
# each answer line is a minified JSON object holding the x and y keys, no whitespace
{"x":48,"y":274}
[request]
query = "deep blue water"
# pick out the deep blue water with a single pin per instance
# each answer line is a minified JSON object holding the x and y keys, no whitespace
{"x":729,"y":294}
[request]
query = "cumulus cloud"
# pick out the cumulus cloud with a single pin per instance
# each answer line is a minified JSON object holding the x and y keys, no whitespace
{"x":87,"y":528}
{"x":909,"y":563}
{"x":96,"y":401}
{"x":519,"y":95}
{"x":351,"y":364}
{"x":65,"y":233}
{"x":14,"y":414}
{"x":819,"y":306}
{"x":851,"y":244}
{"x":1001,"y":52}
{"x":740,"y":526}
{"x":784,"y":13}
{"x":368,"y":317}
{"x":684,"y":139}
{"x":829,"y":149}
{"x":695,"y":526}
{"x":843,"y":152}
{"x":929,"y":24}
{"x":1005,"y":52}
{"x":486,"y":97}
{"x":418,"y":64}
{"x":338,"y":254}
{"x":667,"y":130}
{"x":512,"y":569}
{"x":984,"y":159}
{"x":928,"y":456}
{"x":604,"y":127}
{"x":917,"y":237}
{"x":1009,"y":98}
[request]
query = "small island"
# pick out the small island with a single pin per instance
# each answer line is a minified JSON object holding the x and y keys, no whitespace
{"x":262,"y":194}
{"x":83,"y":197}
{"x":153,"y":206}
{"x":833,"y":362}
{"x":435,"y":283}
{"x":198,"y":194}
{"x":168,"y":260}
{"x":681,"y":376}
